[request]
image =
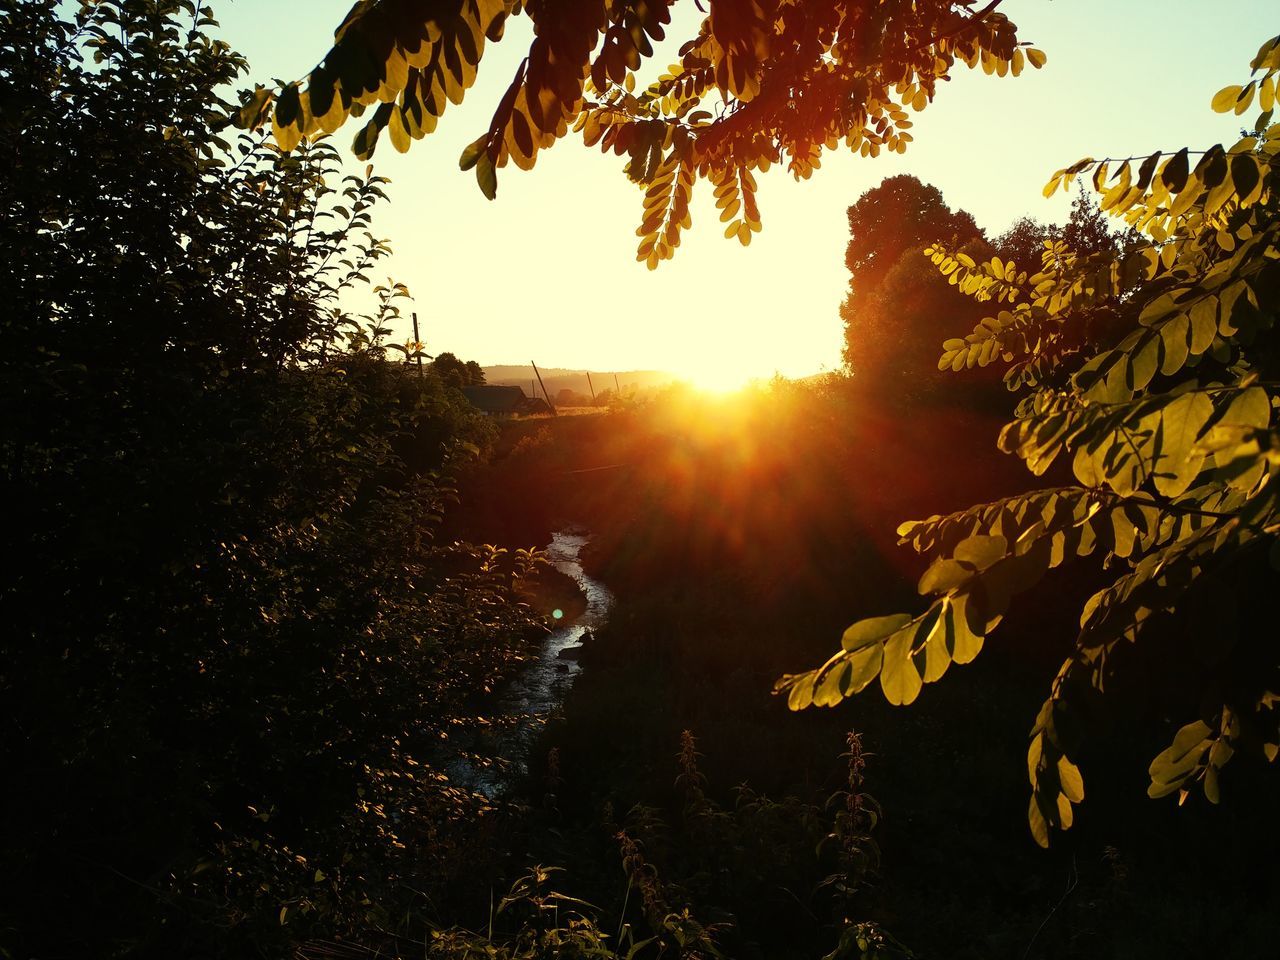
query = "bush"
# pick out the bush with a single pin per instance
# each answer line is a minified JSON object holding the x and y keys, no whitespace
{"x":233,"y":643}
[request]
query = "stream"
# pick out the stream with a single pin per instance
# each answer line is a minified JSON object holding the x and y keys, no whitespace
{"x":491,"y":753}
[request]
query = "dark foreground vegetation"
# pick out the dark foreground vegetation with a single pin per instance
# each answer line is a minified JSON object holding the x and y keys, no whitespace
{"x":733,"y":563}
{"x":268,"y":568}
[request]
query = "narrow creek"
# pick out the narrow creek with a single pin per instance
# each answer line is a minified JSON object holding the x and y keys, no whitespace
{"x":491,"y":754}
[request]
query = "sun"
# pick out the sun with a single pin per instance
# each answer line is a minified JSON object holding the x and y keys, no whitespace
{"x":718,"y":379}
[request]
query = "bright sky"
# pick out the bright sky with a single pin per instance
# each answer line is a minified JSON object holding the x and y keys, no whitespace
{"x":547,"y":272}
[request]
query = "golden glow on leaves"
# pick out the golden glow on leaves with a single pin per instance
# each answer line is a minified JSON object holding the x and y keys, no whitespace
{"x":741,"y":98}
{"x":1169,"y":433}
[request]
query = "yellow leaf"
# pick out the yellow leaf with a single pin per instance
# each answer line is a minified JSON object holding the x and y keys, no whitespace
{"x":1224,"y":101}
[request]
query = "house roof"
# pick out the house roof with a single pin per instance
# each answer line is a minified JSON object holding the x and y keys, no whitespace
{"x":495,"y":399}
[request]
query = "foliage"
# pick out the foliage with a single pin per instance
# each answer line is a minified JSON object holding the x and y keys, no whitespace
{"x":455,"y":372}
{"x":793,"y":78}
{"x":894,"y":302}
{"x":898,"y":306}
{"x":672,"y":875}
{"x":1167,"y":427}
{"x":232,"y":641}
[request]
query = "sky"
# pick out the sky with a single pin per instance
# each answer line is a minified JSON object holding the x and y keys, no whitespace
{"x":547,"y":271}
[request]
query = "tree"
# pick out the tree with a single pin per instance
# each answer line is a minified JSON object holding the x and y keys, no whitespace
{"x":1024,"y":241}
{"x":1169,"y":430}
{"x":793,"y":79}
{"x":231,"y":646}
{"x":898,"y":307}
{"x":455,"y":372}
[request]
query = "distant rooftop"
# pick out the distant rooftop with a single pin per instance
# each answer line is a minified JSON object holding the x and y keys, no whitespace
{"x":495,"y":399}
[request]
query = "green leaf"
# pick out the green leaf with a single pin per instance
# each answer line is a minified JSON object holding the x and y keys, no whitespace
{"x":1250,"y":408}
{"x":899,"y":677}
{"x":1181,"y":423}
{"x":471,"y":155}
{"x":963,"y":642}
{"x":1144,"y":361}
{"x":1070,"y":780}
{"x":1244,"y":174}
{"x":486,"y":175}
{"x":1174,"y":174}
{"x":1204,"y":324}
{"x":801,"y":693}
{"x":1039,"y":826}
{"x":943,"y":574}
{"x":864,"y":667}
{"x":1173,"y":339}
{"x":872,"y":630}
{"x":398,"y":132}
{"x":981,"y":551}
{"x":1224,"y":101}
{"x":937,"y":655}
{"x":829,"y":688}
{"x":1172,"y":766}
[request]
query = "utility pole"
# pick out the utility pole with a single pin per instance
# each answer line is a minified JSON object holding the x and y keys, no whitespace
{"x":545,"y":396}
{"x":615,"y":383}
{"x":417,"y":339}
{"x":591,"y":388}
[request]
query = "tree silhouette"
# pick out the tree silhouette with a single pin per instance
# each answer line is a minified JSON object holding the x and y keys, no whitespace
{"x":455,"y":372}
{"x":898,"y":309}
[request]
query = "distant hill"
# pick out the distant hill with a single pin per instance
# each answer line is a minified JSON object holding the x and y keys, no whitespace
{"x":559,"y":378}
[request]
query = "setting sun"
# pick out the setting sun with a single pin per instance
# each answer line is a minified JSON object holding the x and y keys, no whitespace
{"x":724,"y":379}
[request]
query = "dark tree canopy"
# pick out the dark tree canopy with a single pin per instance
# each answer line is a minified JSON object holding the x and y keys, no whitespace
{"x":227,"y":620}
{"x":455,"y":372}
{"x":899,"y":308}
{"x":901,"y":214}
{"x":760,"y":82}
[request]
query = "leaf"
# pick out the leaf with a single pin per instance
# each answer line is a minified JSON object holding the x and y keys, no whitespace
{"x":471,"y":155}
{"x":1070,"y":780}
{"x":398,"y":132}
{"x":899,"y":677}
{"x":1173,"y":765}
{"x":1244,"y":175}
{"x":801,"y":694}
{"x":1039,"y":826}
{"x":1251,"y":408}
{"x":943,"y":574}
{"x":1224,"y":101}
{"x":937,"y":656}
{"x":1204,"y":324}
{"x":872,"y":630}
{"x":963,"y":643}
{"x":1174,"y":344}
{"x":829,"y":688}
{"x":1174,"y":174}
{"x":981,"y":551}
{"x":1181,"y":423}
{"x":864,"y":665}
{"x":486,"y":175}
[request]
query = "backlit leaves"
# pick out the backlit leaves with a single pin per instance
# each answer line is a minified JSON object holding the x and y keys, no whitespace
{"x":761,"y":82}
{"x":1168,"y":427}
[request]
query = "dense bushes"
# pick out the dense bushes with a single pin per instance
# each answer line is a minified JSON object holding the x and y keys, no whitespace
{"x":232,"y":643}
